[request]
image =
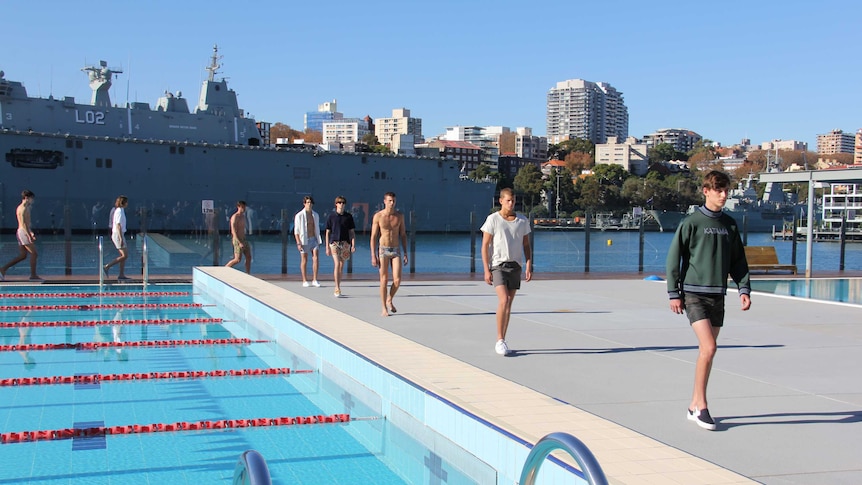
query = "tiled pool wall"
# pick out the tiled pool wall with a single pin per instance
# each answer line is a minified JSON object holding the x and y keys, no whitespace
{"x":403,"y":403}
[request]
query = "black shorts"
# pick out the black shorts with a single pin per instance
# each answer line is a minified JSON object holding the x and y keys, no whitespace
{"x":508,"y":274}
{"x":704,"y":307}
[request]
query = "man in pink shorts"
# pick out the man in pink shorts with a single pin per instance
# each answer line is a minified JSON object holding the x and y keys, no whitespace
{"x":26,"y":238}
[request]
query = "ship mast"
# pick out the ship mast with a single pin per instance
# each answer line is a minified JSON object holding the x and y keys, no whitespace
{"x":100,"y":82}
{"x":214,"y":64}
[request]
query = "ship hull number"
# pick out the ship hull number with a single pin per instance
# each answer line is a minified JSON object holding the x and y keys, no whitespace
{"x":90,"y":117}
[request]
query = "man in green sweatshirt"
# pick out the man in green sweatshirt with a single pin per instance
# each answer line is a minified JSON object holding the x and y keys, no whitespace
{"x":706,"y":249}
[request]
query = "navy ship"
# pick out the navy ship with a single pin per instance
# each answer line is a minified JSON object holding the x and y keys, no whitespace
{"x":176,"y":165}
{"x":768,"y":213}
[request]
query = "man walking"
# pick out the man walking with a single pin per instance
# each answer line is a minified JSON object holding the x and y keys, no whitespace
{"x":306,"y":230}
{"x":26,"y":238}
{"x":237,"y":234}
{"x":505,"y":242}
{"x":387,"y":228}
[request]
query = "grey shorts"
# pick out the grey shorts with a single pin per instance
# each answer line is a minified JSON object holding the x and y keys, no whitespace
{"x":508,"y":274}
{"x":705,"y":307}
{"x":309,"y":248}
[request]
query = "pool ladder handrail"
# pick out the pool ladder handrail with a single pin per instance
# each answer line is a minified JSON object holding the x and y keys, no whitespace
{"x":251,"y":469}
{"x":101,"y":264}
{"x":145,"y":262}
{"x":593,"y":473}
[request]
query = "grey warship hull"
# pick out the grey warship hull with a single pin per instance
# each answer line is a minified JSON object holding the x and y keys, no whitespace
{"x":174,"y":163}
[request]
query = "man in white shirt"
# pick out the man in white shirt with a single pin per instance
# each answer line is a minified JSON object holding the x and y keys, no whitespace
{"x":306,"y":230}
{"x":505,"y":243}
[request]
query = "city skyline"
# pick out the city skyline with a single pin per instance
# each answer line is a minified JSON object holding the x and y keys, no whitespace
{"x":746,"y":71}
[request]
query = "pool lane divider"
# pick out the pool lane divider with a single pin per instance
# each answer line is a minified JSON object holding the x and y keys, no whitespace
{"x":150,"y":376}
{"x":137,"y":343}
{"x":107,"y":294}
{"x":96,"y":323}
{"x":69,"y":433}
{"x":100,"y":306}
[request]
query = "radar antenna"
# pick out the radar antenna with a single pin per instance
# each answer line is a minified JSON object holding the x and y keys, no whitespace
{"x":214,"y":63}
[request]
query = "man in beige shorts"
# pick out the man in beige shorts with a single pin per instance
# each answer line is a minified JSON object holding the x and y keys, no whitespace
{"x":26,"y":238}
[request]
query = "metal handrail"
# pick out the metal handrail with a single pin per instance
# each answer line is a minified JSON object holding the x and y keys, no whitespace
{"x":590,"y":467}
{"x":145,"y":262}
{"x":251,"y":469}
{"x":101,"y":265}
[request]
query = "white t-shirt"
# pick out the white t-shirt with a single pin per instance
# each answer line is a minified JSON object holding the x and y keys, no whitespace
{"x":119,"y":217}
{"x":507,"y":241}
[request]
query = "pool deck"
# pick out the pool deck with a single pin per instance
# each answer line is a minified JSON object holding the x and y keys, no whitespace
{"x":602,"y":357}
{"x":785,"y":387}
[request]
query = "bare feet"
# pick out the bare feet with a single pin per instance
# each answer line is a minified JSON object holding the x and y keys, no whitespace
{"x":2,"y":275}
{"x":391,"y":306}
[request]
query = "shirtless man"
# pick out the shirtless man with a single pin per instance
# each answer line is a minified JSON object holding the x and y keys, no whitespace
{"x":388,"y":227}
{"x":26,"y":238}
{"x":237,"y":234}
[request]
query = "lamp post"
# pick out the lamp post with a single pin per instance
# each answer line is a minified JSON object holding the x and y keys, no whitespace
{"x":557,"y":212}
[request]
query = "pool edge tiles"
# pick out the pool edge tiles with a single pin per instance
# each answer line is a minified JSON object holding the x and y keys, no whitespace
{"x":492,"y":418}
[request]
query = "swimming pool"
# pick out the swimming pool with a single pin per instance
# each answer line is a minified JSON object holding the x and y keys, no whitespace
{"x":164,"y":360}
{"x":843,"y":290}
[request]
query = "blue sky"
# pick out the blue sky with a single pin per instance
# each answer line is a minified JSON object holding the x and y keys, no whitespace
{"x":727,"y":70}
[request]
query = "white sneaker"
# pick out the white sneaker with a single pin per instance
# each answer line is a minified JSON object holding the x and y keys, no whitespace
{"x":305,"y":284}
{"x":315,"y":284}
{"x":501,"y":347}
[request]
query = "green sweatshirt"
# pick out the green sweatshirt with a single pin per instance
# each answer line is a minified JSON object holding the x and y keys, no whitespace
{"x":705,"y":250}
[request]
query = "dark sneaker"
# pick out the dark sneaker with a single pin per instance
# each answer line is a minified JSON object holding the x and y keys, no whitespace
{"x":702,"y":418}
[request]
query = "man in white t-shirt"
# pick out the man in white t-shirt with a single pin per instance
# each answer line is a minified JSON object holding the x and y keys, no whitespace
{"x":505,"y":243}
{"x":118,"y":236}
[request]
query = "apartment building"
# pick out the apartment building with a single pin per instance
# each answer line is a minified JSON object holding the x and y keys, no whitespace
{"x":630,"y":154}
{"x":529,"y":146}
{"x":836,"y":141}
{"x":401,"y":123}
{"x":785,"y":145}
{"x":682,"y":140}
{"x":857,"y":156}
{"x":345,"y":130}
{"x":588,"y":110}
{"x":468,"y":155}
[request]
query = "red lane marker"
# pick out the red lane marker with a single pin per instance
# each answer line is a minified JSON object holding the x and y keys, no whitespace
{"x":186,"y":374}
{"x":95,"y":323}
{"x":142,"y":343}
{"x":68,"y":433}
{"x":101,"y":306}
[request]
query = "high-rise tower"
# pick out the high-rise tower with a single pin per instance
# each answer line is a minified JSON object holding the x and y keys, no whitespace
{"x":587,"y":110}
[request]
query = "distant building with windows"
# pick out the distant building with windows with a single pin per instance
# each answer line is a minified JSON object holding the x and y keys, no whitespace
{"x":345,"y":130}
{"x":401,"y":123}
{"x":588,"y":110}
{"x":785,"y":145}
{"x":468,"y":155}
{"x":630,"y":154}
{"x":313,"y":120}
{"x":857,"y":156}
{"x":529,"y":146}
{"x":836,"y":141}
{"x":682,"y":140}
{"x":485,"y":137}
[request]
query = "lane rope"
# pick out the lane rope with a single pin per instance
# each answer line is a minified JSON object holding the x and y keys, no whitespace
{"x":69,"y":433}
{"x":137,"y":343}
{"x":184,"y":374}
{"x":96,"y":323}
{"x":100,"y":306}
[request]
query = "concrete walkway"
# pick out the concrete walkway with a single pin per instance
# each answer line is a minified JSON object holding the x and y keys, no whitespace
{"x":786,"y":389}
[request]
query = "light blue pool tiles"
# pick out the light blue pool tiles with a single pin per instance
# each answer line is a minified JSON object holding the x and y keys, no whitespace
{"x":494,"y":447}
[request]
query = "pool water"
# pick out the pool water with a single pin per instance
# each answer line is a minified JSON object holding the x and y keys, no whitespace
{"x":367,"y":449}
{"x":844,"y":290}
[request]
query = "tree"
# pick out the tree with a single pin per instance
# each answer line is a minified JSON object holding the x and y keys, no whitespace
{"x":528,"y":182}
{"x":559,"y":151}
{"x":280,"y":130}
{"x":603,"y":190}
{"x":664,"y":152}
{"x":507,"y":143}
{"x":482,"y":172}
{"x":312,"y":136}
{"x":576,"y":162}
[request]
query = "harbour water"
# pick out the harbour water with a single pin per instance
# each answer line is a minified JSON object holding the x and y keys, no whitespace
{"x":554,"y":252}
